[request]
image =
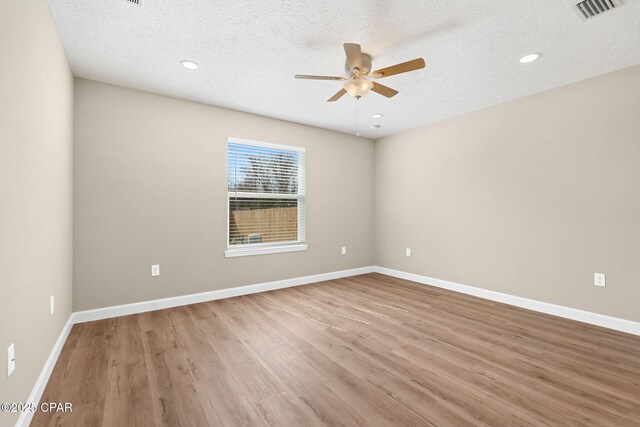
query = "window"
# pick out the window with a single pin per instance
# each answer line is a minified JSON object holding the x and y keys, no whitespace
{"x":265,"y":194}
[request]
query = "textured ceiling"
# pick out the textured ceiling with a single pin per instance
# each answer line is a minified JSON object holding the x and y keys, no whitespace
{"x":248,"y":52}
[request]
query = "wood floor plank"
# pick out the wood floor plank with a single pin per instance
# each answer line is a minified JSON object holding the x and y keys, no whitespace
{"x":284,"y":354}
{"x":365,"y":350}
{"x":441,"y":395}
{"x":344,"y":388}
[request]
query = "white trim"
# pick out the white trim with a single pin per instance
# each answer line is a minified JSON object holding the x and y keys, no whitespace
{"x":302,"y":202}
{"x":246,"y":250}
{"x":265,"y":144}
{"x":145,"y":306}
{"x":159,"y":304}
{"x":610,"y":322}
{"x":36,"y":393}
{"x":122,"y":310}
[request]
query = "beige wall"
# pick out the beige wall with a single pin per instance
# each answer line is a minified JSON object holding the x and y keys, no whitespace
{"x":150,"y":187}
{"x":36,"y":113}
{"x":529,"y":198}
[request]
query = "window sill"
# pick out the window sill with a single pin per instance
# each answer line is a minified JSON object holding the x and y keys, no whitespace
{"x":230,"y":253}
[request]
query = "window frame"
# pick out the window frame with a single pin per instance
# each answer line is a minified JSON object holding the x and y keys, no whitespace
{"x":269,"y":247}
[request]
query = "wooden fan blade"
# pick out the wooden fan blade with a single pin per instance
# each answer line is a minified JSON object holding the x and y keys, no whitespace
{"x":354,"y":55}
{"x":307,"y":77}
{"x":416,"y":64}
{"x":337,"y":95}
{"x":384,"y":90}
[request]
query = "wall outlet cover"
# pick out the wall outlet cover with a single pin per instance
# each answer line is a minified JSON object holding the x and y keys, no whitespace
{"x":408,"y":251}
{"x":11,"y":359}
{"x":600,"y":279}
{"x":155,"y":270}
{"x":344,"y":250}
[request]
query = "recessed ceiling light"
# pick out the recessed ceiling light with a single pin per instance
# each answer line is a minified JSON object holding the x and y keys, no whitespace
{"x":376,"y":116}
{"x":530,"y":58}
{"x":189,"y":65}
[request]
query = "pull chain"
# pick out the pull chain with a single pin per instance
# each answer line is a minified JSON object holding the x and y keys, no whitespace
{"x":356,"y":126}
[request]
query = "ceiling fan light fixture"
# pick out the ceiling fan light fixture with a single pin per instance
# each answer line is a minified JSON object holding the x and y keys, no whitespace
{"x":357,"y":87}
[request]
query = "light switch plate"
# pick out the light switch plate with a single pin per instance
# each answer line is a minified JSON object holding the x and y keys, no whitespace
{"x":155,"y":270}
{"x":600,"y":279}
{"x":52,"y":304}
{"x":11,"y":359}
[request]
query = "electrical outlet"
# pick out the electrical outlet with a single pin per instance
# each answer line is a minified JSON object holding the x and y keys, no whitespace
{"x":11,"y":359}
{"x":600,"y":279}
{"x":344,"y":250}
{"x":155,"y":270}
{"x":52,"y":304}
{"x":407,"y":252}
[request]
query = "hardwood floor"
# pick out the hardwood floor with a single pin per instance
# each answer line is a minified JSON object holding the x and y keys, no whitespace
{"x":366,"y":350}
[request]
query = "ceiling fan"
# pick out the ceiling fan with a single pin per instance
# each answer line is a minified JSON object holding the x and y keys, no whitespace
{"x":358,"y":68}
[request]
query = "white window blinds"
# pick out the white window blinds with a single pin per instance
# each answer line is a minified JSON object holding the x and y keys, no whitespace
{"x":265,"y":189}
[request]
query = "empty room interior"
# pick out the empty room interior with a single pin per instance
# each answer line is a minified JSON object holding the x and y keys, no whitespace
{"x":306,"y":213}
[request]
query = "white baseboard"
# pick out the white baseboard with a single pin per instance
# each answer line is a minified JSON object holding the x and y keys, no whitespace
{"x":141,"y":307}
{"x":122,"y":310}
{"x":610,"y":322}
{"x":144,"y":306}
{"x":36,"y":393}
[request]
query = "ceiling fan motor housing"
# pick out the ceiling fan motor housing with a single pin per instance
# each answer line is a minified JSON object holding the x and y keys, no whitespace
{"x":366,"y":65}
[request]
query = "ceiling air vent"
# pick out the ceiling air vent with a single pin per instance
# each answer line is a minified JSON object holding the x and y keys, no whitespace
{"x":134,"y":1}
{"x":591,"y":8}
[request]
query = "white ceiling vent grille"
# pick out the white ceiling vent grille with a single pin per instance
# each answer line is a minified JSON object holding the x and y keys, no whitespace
{"x":134,"y":1}
{"x":589,"y":9}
